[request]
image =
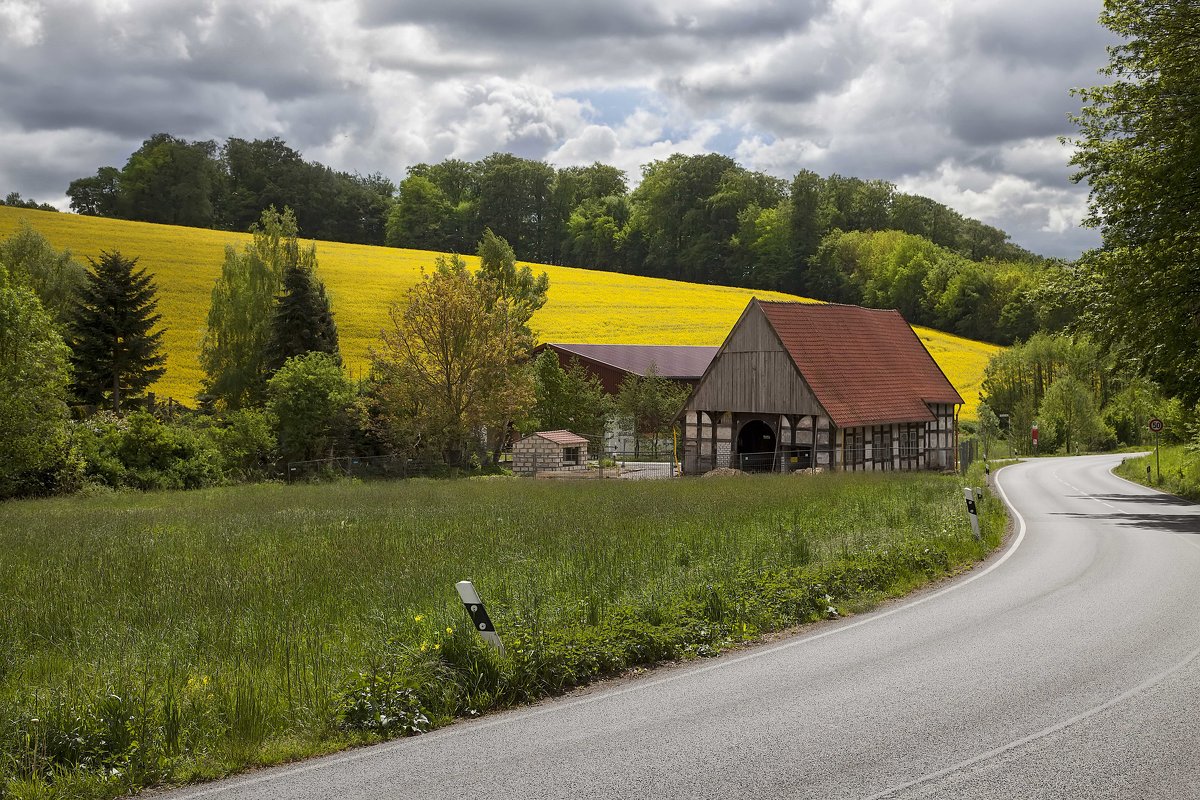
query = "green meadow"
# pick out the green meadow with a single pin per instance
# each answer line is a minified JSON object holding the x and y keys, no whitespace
{"x":172,"y":637}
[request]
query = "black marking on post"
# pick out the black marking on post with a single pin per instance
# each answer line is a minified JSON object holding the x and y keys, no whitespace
{"x":480,"y":618}
{"x":970,"y":506}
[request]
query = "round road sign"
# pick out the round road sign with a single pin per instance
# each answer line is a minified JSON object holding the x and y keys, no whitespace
{"x":1156,"y":425}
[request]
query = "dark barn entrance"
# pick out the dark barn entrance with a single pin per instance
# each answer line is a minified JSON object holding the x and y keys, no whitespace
{"x":756,"y":447}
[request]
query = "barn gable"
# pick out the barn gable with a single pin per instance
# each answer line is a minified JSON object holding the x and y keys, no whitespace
{"x":753,"y":372}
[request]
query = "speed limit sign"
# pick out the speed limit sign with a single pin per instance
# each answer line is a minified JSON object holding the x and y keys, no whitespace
{"x":1156,"y":424}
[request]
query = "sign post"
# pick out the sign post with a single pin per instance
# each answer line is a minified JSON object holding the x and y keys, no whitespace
{"x":1156,"y":425}
{"x":1035,"y":439}
{"x":969,"y":494}
{"x":479,"y":615}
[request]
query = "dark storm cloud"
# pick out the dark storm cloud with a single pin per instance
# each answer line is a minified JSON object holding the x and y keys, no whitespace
{"x":553,"y":21}
{"x":179,"y":67}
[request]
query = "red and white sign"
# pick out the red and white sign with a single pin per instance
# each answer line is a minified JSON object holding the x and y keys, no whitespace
{"x":1156,"y":425}
{"x":1035,"y":433}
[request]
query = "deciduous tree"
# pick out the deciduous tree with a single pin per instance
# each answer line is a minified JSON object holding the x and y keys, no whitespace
{"x":53,"y":275}
{"x":33,"y":383}
{"x":309,"y":397}
{"x":1138,"y":147}
{"x":461,"y":358}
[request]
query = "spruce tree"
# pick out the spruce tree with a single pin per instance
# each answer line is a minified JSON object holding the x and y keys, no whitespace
{"x":303,"y":320}
{"x":114,"y":355}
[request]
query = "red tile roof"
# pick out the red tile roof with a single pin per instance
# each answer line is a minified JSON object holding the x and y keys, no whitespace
{"x":565,"y":438}
{"x":866,"y":366}
{"x":677,"y":362}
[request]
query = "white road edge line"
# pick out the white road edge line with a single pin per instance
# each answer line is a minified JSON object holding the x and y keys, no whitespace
{"x":383,"y":749}
{"x":1091,"y":712}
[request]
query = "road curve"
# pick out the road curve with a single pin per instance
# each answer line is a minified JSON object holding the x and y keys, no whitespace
{"x":1066,"y":669}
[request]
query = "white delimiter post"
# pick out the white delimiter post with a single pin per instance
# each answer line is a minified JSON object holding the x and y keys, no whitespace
{"x":479,"y":615}
{"x":969,"y":494}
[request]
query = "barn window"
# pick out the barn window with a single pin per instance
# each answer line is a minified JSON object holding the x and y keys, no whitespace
{"x":571,"y":455}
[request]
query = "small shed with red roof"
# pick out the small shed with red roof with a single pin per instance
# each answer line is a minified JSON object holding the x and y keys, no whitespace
{"x":798,"y":385}
{"x":549,"y":451}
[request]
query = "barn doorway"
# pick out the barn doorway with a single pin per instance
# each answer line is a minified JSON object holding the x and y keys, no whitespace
{"x":756,"y":447}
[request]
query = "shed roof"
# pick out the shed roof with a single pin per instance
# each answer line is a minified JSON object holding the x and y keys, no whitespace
{"x":565,"y":438}
{"x":677,"y":362}
{"x":866,"y":366}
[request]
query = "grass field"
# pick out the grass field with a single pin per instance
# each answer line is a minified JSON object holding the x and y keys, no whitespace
{"x":584,"y":305}
{"x":170,"y":637}
{"x":1178,"y":467}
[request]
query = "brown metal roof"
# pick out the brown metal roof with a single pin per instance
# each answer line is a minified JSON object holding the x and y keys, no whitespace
{"x":565,"y":438}
{"x":677,"y":362}
{"x":866,"y":366}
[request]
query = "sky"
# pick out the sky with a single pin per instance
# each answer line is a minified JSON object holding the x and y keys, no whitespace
{"x":963,"y":101}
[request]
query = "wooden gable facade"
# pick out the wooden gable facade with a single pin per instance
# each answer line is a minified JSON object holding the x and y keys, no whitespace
{"x":803,"y":385}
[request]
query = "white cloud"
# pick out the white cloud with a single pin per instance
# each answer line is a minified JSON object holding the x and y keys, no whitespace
{"x":961,"y":101}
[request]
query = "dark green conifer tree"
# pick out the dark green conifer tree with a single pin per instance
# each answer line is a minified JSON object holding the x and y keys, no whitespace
{"x":303,"y":320}
{"x":114,"y":355}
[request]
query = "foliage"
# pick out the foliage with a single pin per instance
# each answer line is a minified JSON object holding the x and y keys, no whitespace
{"x":648,"y":404}
{"x":302,"y":321}
{"x":173,"y":181}
{"x":235,"y":352}
{"x":1102,"y":401}
{"x":33,"y":383}
{"x":503,"y":282}
{"x":1068,"y":413}
{"x":421,"y":218}
{"x":309,"y":397}
{"x":459,"y":355}
{"x":14,"y":200}
{"x":567,"y":399}
{"x":245,"y":439}
{"x":142,"y":452}
{"x":1138,"y":147}
{"x":114,"y":355}
{"x":931,"y":285}
{"x":700,"y":218}
{"x":54,"y":276}
{"x":583,"y":306}
{"x":221,"y":620}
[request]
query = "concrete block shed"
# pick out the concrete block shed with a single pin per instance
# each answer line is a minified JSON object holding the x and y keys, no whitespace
{"x":549,"y":451}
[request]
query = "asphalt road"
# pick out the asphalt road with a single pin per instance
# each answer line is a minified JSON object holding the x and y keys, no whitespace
{"x":1068,"y":667}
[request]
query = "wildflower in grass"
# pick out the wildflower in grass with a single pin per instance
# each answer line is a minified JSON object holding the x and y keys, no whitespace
{"x":419,"y":618}
{"x":449,"y":631}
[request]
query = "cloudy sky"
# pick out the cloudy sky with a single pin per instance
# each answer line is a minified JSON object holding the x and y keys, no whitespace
{"x":962,"y":101}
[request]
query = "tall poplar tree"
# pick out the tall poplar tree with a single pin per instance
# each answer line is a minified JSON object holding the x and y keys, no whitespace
{"x":234,"y":353}
{"x":114,"y":354}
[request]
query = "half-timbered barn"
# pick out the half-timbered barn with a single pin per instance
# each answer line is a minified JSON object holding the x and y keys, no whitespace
{"x":798,"y":385}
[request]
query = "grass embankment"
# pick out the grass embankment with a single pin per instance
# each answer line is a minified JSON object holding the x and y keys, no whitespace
{"x":1180,"y":471}
{"x":583,"y":306}
{"x":148,"y":638}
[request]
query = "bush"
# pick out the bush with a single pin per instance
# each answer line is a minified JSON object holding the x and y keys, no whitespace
{"x":141,"y":452}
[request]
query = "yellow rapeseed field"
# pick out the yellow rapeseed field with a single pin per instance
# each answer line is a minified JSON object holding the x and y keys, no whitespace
{"x":584,"y":305}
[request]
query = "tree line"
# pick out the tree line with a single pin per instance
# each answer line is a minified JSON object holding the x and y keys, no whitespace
{"x":701,"y":218}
